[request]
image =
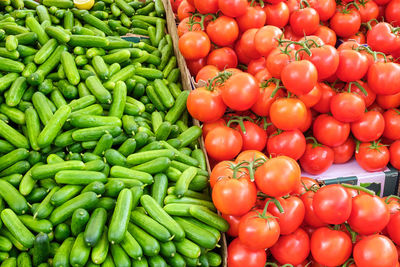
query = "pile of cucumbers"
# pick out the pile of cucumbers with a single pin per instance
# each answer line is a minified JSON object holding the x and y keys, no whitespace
{"x":99,"y":165}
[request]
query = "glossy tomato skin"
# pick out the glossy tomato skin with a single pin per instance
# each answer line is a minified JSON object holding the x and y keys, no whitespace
{"x":277,"y":14}
{"x":392,"y":12}
{"x":206,"y":6}
{"x":184,"y":10}
{"x":332,"y":204}
{"x":265,"y":39}
{"x":323,"y":106}
{"x":388,"y":101}
{"x":299,"y":77}
{"x":325,"y":59}
{"x":278,"y":176}
{"x":329,"y":131}
{"x":223,"y":143}
{"x":293,"y":215}
{"x":369,"y":11}
{"x":316,"y":160}
{"x":395,"y":154}
{"x":250,"y":155}
{"x":233,"y":224}
{"x":240,"y":255}
{"x":184,"y":26}
{"x":306,"y":184}
{"x":288,"y":113}
{"x":196,"y":65}
{"x":313,"y":97}
{"x":194,"y":45}
{"x":223,"y":31}
{"x":234,"y":196}
{"x":381,"y":38}
{"x":304,"y":21}
{"x":325,"y":8}
{"x":347,"y":107}
{"x":375,"y":250}
{"x":276,"y":61}
{"x":392,"y":124}
{"x":223,"y":58}
{"x":254,"y":137}
{"x":369,"y":214}
{"x":327,"y":35}
{"x":206,"y":73}
{"x":248,"y":44}
{"x":352,"y":65}
{"x":257,"y":232}
{"x":372,"y":158}
{"x":287,"y":143}
{"x":346,"y":24}
{"x":330,"y":247}
{"x":310,"y":217}
{"x":240,"y":91}
{"x":393,"y":228}
{"x":369,"y":98}
{"x":256,"y":65}
{"x":223,"y":169}
{"x":344,"y":152}
{"x":233,"y":8}
{"x":254,"y":17}
{"x":382,"y":77}
{"x":293,"y":248}
{"x":205,"y":105}
{"x":370,"y":127}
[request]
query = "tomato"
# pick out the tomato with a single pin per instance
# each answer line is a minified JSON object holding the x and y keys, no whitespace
{"x":346,"y":22}
{"x":292,"y":249}
{"x":205,"y":105}
{"x":330,"y":247}
{"x":254,"y":17}
{"x":344,"y":152}
{"x":223,"y":143}
{"x":258,"y":230}
{"x":288,"y":113}
{"x":264,"y":101}
{"x":293,"y":5}
{"x":327,"y":92}
{"x":254,"y":137}
{"x":369,"y":214}
{"x":233,"y":8}
{"x":206,"y":73}
{"x":306,"y":184}
{"x":347,"y":107}
{"x":388,"y":101}
{"x":332,"y":204}
{"x":312,"y":98}
{"x":304,"y":21}
{"x":325,"y":8}
{"x":256,"y":65}
{"x":287,"y":143}
{"x":325,"y":59}
{"x":223,"y":31}
{"x":348,"y":45}
{"x":329,"y":131}
{"x":206,"y":6}
{"x":194,"y":45}
{"x":185,"y":10}
{"x":370,"y":127}
{"x":240,"y":91}
{"x":278,"y":176}
{"x":372,"y":156}
{"x":196,"y":65}
{"x":395,"y":154}
{"x":369,"y":98}
{"x":368,"y":10}
{"x":175,"y":4}
{"x":381,"y":38}
{"x":290,"y":35}
{"x":359,"y":37}
{"x":327,"y":35}
{"x":392,"y":124}
{"x":224,"y":169}
{"x":233,"y":224}
{"x":248,"y":44}
{"x":263,"y":75}
{"x":394,"y":228}
{"x":277,"y":60}
{"x":382,"y":78}
{"x":352,"y":66}
{"x":293,"y":214}
{"x":208,"y":126}
{"x":240,"y":255}
{"x":223,"y":58}
{"x":375,"y":250}
{"x":277,"y":14}
{"x":184,"y":26}
{"x":307,"y":124}
{"x":316,"y":159}
{"x":310,"y":217}
{"x":392,"y":12}
{"x":241,"y":53}
{"x":266,"y":39}
{"x":250,"y":155}
{"x":299,"y":77}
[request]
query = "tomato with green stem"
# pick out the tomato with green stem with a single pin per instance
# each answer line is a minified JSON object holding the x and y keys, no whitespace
{"x":228,"y":169}
{"x":368,"y":10}
{"x":293,"y":248}
{"x":287,"y":143}
{"x":325,"y":58}
{"x":254,"y":17}
{"x":306,"y":185}
{"x":223,"y":58}
{"x":352,"y":65}
{"x":325,"y":8}
{"x":368,"y":95}
{"x":344,"y":152}
{"x":185,"y":10}
{"x":288,"y":113}
{"x":223,"y":143}
{"x":250,"y":155}
{"x":277,"y":59}
{"x":254,"y":137}
{"x":263,"y":104}
{"x":382,"y":38}
{"x":375,"y":251}
{"x":317,"y":158}
{"x":372,"y":156}
{"x":346,"y":21}
{"x":266,"y":39}
{"x":240,"y":255}
{"x":304,"y":21}
{"x":383,"y":77}
{"x":194,"y":45}
{"x":188,"y":24}
{"x":299,"y":77}
{"x":232,"y":8}
{"x":277,"y":14}
{"x":370,"y":127}
{"x":223,"y":31}
{"x":394,"y":151}
{"x":329,"y":131}
{"x":205,"y":105}
{"x":347,"y":107}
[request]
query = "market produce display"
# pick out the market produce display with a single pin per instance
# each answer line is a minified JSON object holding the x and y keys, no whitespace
{"x":99,"y":163}
{"x":313,"y":80}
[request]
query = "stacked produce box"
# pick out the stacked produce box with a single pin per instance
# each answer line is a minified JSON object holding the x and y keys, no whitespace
{"x":100,"y":164}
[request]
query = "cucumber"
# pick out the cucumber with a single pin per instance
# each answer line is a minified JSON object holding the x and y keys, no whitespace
{"x":97,"y":187}
{"x":13,"y":197}
{"x":113,"y":188}
{"x":154,"y":166}
{"x":178,"y":108}
{"x":182,"y":185}
{"x":211,"y":229}
{"x":79,"y":252}
{"x":200,"y":236}
{"x":95,"y":133}
{"x":41,"y":249}
{"x":88,"y":41}
{"x":208,"y":217}
{"x":100,"y":67}
{"x":188,"y":248}
{"x":17,"y":228}
{"x":95,"y":227}
{"x":119,"y":256}
{"x":150,"y":226}
{"x":122,"y":172}
{"x":79,"y":177}
{"x":35,"y":27}
{"x":97,"y":23}
{"x":168,"y":249}
{"x":64,"y":194}
{"x":95,"y":166}
{"x":159,"y":188}
{"x":176,"y":261}
{"x":24,"y":259}
{"x":189,"y":200}
{"x":62,"y":232}
{"x":142,"y":262}
{"x":7,"y":80}
{"x":78,"y":221}
{"x":120,"y":218}
{"x":50,"y":131}
{"x":61,"y":258}
{"x":58,"y":3}
{"x":70,"y":69}
{"x":35,"y":225}
{"x":124,"y":6}
{"x":131,"y":246}
{"x":9,"y":262}
{"x":45,"y":208}
{"x":213,"y":258}
{"x":109,"y":261}
{"x":97,"y":89}
{"x":119,"y":98}
{"x":128,"y":147}
{"x":149,"y":244}
{"x":117,"y":57}
{"x":5,"y":244}
{"x":100,"y":250}
{"x":9,"y":65}
{"x":177,"y":209}
{"x":13,"y":157}
{"x":43,"y":171}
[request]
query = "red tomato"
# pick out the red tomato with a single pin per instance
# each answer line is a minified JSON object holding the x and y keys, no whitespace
{"x":256,"y":65}
{"x":308,"y":121}
{"x":306,"y":184}
{"x":393,"y":228}
{"x":299,"y":77}
{"x":332,"y":204}
{"x":388,"y":101}
{"x":278,"y":176}
{"x":240,"y":91}
{"x":263,"y":75}
{"x":264,"y":101}
{"x":266,"y":39}
{"x":369,"y":98}
{"x":258,"y":230}
{"x":395,"y":154}
{"x":392,"y":124}
{"x":359,"y":37}
{"x":232,"y":8}
{"x":233,"y":224}
{"x":254,"y":137}
{"x":312,"y":98}
{"x":248,"y":44}
{"x":196,"y":65}
{"x":316,"y":160}
{"x":288,"y":113}
{"x":375,"y":251}
{"x":352,"y":65}
{"x":369,"y":128}
{"x":253,"y":18}
{"x":287,"y":143}
{"x":207,"y":72}
{"x":368,"y":10}
{"x":194,"y":45}
{"x":277,"y":14}
{"x":329,"y":131}
{"x":240,"y":255}
{"x":310,"y":217}
{"x":224,"y":169}
{"x":223,"y":58}
{"x":223,"y":31}
{"x":325,"y":8}
{"x":347,"y":107}
{"x":184,"y":26}
{"x":304,"y":21}
{"x":344,"y":152}
{"x":372,"y":156}
{"x":346,"y":23}
{"x":206,"y":6}
{"x":327,"y":35}
{"x":292,"y":249}
{"x":290,"y":35}
{"x":223,"y":143}
{"x":205,"y":105}
{"x":277,"y":60}
{"x":392,"y":12}
{"x":381,"y":38}
{"x":293,"y":214}
{"x":208,"y":126}
{"x":369,"y":214}
{"x":382,"y":78}
{"x":175,"y":4}
{"x":324,"y":104}
{"x":325,"y":59}
{"x":185,"y":10}
{"x":330,"y":247}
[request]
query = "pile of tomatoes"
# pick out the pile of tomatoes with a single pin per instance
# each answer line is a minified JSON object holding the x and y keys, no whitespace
{"x":279,"y":218}
{"x":276,"y":80}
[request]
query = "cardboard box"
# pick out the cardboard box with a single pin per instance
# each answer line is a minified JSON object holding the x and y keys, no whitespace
{"x":383,"y":183}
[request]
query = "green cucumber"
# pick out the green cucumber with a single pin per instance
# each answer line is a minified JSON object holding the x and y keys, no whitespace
{"x":50,"y":131}
{"x":188,"y":200}
{"x":122,"y":172}
{"x":17,"y":228}
{"x":45,"y":208}
{"x":95,"y":133}
{"x":13,"y":197}
{"x":131,"y":246}
{"x":36,"y":225}
{"x":188,"y":248}
{"x":62,"y":232}
{"x":79,"y":252}
{"x":97,"y":187}
{"x":150,"y":226}
{"x":103,"y":144}
{"x":70,"y":69}
{"x":182,"y":185}
{"x":64,"y":194}
{"x":100,"y":250}
{"x":78,"y":221}
{"x":88,"y":41}
{"x":149,"y":244}
{"x":100,"y":67}
{"x":43,"y":171}
{"x":154,"y":166}
{"x":205,"y":215}
{"x":97,"y":89}
{"x":197,"y":234}
{"x":159,"y":188}
{"x":95,"y":227}
{"x":79,"y":177}
{"x":120,"y":218}
{"x":119,"y":256}
{"x":41,"y":249}
{"x":24,"y":259}
{"x":119,"y":99}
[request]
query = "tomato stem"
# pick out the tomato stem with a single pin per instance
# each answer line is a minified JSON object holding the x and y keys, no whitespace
{"x":391,"y":197}
{"x":271,"y":264}
{"x":277,"y":204}
{"x":218,"y":80}
{"x":359,"y":188}
{"x":348,"y":262}
{"x":315,"y":142}
{"x":305,"y":2}
{"x":359,"y":86}
{"x":351,"y":232}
